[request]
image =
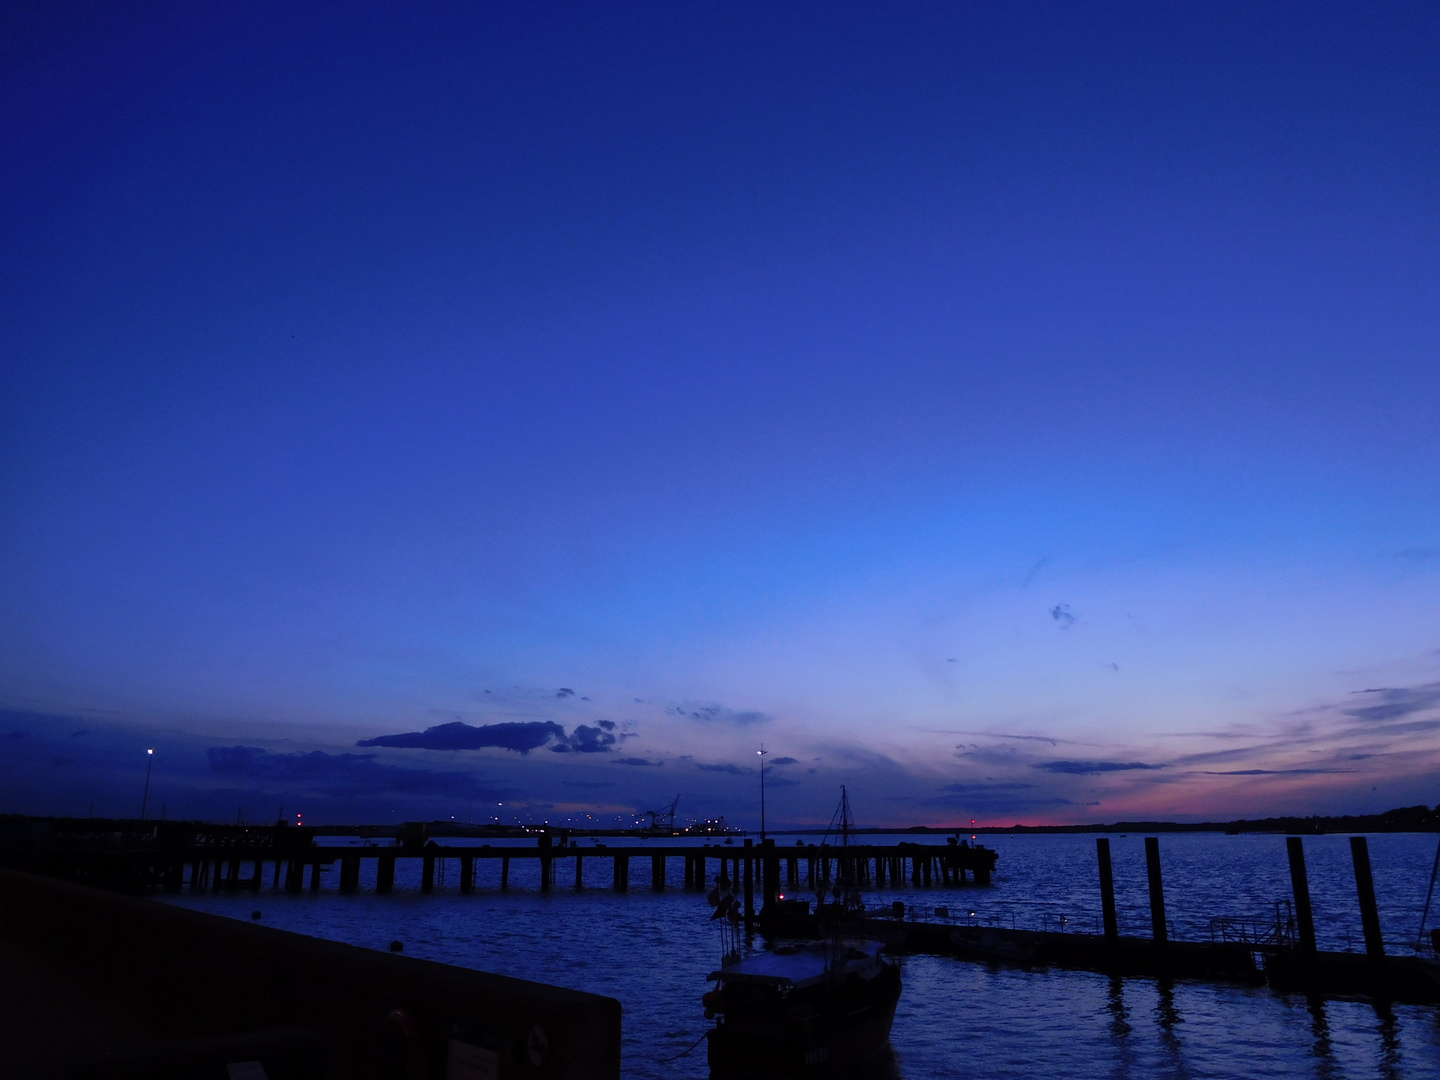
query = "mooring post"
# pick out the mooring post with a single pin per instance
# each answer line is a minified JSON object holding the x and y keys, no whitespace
{"x":545,"y":877}
{"x":1107,"y":890}
{"x":467,"y":873}
{"x":385,"y":873}
{"x":749,"y":881}
{"x":1300,"y":885}
{"x":1157,"y":891}
{"x":1365,"y":886}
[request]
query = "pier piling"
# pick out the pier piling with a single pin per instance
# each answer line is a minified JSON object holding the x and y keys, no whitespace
{"x":1107,"y":890}
{"x":1157,"y":891}
{"x":1365,"y":886}
{"x":467,"y":873}
{"x":427,"y":873}
{"x":1300,"y":885}
{"x":657,"y":873}
{"x":385,"y":873}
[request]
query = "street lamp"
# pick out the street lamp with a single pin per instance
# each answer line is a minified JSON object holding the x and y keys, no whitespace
{"x":149,"y":764}
{"x":761,"y":752}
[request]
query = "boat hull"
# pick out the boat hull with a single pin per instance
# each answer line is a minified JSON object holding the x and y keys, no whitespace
{"x":830,"y":1041}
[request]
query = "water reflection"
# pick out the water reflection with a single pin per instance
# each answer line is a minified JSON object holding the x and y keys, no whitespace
{"x":1322,"y":1050}
{"x":1169,"y":1018}
{"x":1120,"y":1027}
{"x":1391,"y":1059}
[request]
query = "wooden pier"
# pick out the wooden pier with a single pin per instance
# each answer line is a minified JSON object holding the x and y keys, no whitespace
{"x":172,"y":856}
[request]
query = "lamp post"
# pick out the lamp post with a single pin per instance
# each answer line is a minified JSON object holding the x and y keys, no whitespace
{"x":149,"y":764}
{"x":761,"y":752}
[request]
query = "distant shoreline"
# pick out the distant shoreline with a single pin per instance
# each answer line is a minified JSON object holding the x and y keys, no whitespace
{"x":1410,"y":819}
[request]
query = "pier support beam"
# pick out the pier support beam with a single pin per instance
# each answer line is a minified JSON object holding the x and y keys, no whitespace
{"x":467,"y":873}
{"x":1300,"y":885}
{"x":315,"y":876}
{"x":1107,"y":890}
{"x":1365,"y":886}
{"x":657,"y":873}
{"x":385,"y":873}
{"x":622,"y":873}
{"x":547,"y":875}
{"x":349,"y":873}
{"x":504,"y":872}
{"x":579,"y":872}
{"x":427,"y":873}
{"x":1157,"y":891}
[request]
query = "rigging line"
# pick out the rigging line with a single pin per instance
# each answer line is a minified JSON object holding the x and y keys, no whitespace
{"x":1420,"y":935}
{"x":677,"y":1057}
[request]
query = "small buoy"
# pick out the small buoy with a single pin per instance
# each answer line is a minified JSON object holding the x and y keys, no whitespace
{"x":254,"y":914}
{"x":397,"y":946}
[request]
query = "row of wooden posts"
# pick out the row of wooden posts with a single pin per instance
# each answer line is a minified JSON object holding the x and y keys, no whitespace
{"x":766,"y":867}
{"x":1299,"y":883}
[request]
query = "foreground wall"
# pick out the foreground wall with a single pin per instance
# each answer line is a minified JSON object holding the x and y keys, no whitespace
{"x":194,"y":975}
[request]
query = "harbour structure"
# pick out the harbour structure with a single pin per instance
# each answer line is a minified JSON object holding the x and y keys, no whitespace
{"x":172,"y":856}
{"x":109,"y":986}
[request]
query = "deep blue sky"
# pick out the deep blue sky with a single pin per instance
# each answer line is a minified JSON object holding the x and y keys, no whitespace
{"x":974,"y":402}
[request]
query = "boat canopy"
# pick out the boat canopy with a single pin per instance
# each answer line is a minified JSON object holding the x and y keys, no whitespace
{"x":798,"y":965}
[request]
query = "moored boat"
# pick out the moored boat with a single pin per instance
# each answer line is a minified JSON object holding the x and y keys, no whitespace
{"x":802,"y":1008}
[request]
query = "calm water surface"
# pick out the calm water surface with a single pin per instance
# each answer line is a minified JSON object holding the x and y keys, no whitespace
{"x":652,"y":951}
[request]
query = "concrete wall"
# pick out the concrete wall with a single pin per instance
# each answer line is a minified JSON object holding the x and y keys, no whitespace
{"x":196,"y":975}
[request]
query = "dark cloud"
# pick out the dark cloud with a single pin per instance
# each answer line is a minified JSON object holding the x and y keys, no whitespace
{"x":636,"y":761}
{"x":564,"y":692}
{"x":588,"y":785}
{"x":585,"y":740}
{"x":1061,"y":614}
{"x":345,"y":775}
{"x":734,"y":770}
{"x":1397,"y":703}
{"x":719,"y":713}
{"x":520,"y":737}
{"x":785,"y":761}
{"x":1083,"y":768}
{"x":608,"y":725}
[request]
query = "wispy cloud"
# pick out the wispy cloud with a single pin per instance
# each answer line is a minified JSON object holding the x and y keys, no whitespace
{"x":1397,"y":703}
{"x":719,"y":714}
{"x":1084,"y":768}
{"x":1062,"y":615}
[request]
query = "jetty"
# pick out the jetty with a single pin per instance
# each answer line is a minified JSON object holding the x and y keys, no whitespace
{"x":172,"y":856}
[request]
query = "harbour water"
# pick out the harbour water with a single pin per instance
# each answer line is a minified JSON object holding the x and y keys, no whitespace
{"x":652,"y":951}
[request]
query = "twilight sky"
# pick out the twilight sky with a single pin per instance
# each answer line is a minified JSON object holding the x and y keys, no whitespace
{"x":1026,"y":412}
